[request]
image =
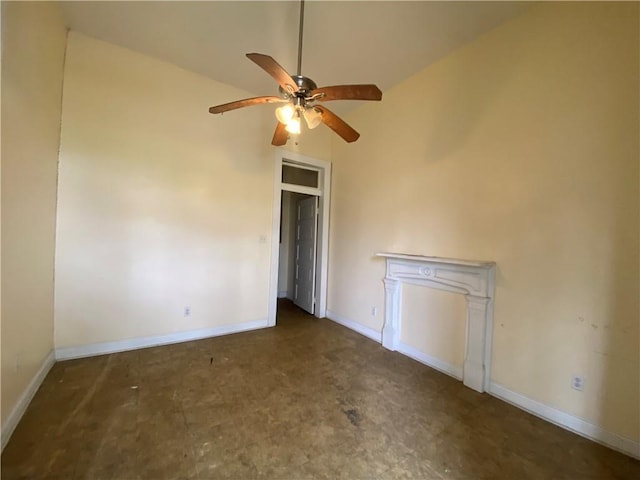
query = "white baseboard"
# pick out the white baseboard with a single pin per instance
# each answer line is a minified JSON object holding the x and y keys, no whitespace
{"x":428,"y":360}
{"x":282,"y":294}
{"x":567,"y":421}
{"x":355,"y":326}
{"x":23,"y":402}
{"x":403,"y":348}
{"x":91,"y":350}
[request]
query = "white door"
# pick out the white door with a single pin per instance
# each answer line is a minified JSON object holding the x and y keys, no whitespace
{"x":305,"y":269}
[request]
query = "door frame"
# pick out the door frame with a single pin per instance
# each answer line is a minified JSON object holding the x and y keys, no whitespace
{"x":323,"y":192}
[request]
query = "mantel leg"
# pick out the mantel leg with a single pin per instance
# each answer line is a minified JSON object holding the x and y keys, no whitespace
{"x":474,"y":372}
{"x":390,"y":331}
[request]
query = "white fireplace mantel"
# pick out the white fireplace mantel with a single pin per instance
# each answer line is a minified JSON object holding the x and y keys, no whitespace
{"x":473,"y":279}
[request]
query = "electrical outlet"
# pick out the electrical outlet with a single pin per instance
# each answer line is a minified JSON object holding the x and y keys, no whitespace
{"x":577,"y":382}
{"x":187,"y":311}
{"x":374,"y":311}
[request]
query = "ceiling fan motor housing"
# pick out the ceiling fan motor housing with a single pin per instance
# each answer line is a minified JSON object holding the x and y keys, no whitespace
{"x":305,"y":83}
{"x":305,"y":87}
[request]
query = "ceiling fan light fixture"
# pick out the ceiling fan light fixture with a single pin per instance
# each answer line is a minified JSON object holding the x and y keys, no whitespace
{"x":313,"y":117}
{"x":284,"y":114}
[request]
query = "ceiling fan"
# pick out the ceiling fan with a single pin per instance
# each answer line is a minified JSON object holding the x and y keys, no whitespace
{"x":299,"y":95}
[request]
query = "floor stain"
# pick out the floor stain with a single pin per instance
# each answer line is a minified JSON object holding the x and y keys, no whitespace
{"x":353,"y":416}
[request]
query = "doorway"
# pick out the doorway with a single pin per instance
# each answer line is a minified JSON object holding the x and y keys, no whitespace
{"x":298,"y":247}
{"x":299,"y":254}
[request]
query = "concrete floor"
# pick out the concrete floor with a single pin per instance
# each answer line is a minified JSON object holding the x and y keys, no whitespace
{"x":307,"y":399}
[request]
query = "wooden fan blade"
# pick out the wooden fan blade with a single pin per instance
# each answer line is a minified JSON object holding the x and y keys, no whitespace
{"x":348,"y":92}
{"x":280,"y":135}
{"x":274,"y":69}
{"x":247,"y":102}
{"x":338,"y":125}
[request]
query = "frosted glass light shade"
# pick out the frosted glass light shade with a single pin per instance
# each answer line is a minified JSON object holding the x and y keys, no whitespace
{"x":293,"y":125}
{"x":313,"y":117}
{"x":285,"y":113}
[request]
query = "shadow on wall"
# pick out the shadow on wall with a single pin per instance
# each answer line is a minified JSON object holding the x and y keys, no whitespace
{"x":457,"y":110}
{"x":613,"y":369}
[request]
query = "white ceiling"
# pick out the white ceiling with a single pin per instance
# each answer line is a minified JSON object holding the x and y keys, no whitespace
{"x":344,"y":42}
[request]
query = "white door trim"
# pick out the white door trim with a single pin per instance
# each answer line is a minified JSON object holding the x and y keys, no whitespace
{"x":322,"y":257}
{"x":314,"y":192}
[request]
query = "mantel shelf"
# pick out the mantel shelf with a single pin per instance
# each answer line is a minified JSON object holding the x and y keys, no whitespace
{"x":441,"y":260}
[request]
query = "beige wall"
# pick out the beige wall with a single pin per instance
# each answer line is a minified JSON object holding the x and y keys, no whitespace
{"x":161,"y":204}
{"x":33,"y":42}
{"x":522,"y":148}
{"x":426,"y":311}
{"x":286,"y":246}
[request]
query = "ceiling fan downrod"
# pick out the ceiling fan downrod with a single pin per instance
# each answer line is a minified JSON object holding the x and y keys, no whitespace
{"x":300,"y":29}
